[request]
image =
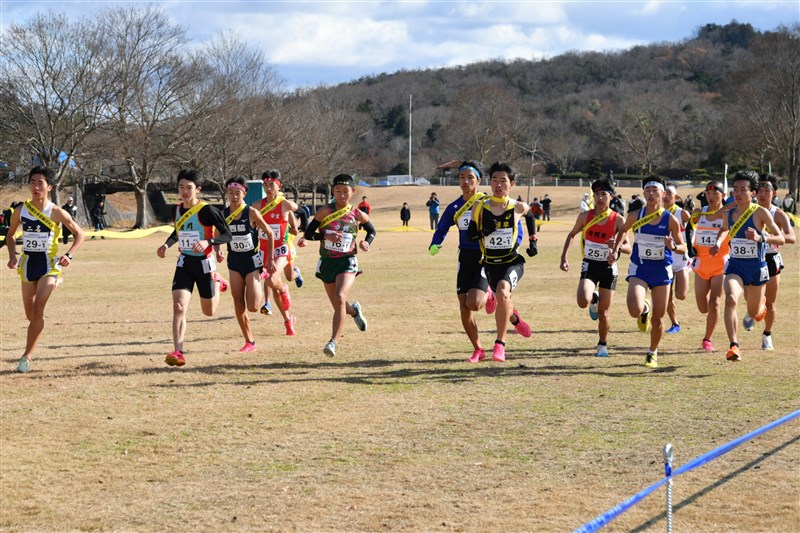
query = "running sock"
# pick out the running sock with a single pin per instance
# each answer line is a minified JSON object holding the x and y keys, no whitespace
{"x":601,"y":343}
{"x":767,"y":333}
{"x":496,"y":341}
{"x":595,"y":297}
{"x":734,"y":344}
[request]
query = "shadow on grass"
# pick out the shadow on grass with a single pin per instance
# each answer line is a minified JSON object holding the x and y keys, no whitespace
{"x":720,"y":482}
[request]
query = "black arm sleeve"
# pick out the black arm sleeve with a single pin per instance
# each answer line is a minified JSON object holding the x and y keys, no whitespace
{"x":689,"y":248}
{"x":172,"y":239}
{"x":530,"y":223}
{"x":211,"y":216}
{"x":310,"y":233}
{"x":473,"y":232}
{"x":370,"y":229}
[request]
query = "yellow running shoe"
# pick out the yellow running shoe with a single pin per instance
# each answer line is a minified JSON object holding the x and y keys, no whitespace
{"x":644,"y":319}
{"x":651,"y":360}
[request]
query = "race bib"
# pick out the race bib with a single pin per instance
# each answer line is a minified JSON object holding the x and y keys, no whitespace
{"x":209,"y":264}
{"x":705,"y":237}
{"x":281,"y":251}
{"x":342,"y":246}
{"x":187,"y":240}
{"x":463,"y":222}
{"x":500,"y":239}
{"x":651,"y":247}
{"x":242,"y":243}
{"x":595,"y":251}
{"x":276,"y":231}
{"x":743,"y":249}
{"x":35,"y":241}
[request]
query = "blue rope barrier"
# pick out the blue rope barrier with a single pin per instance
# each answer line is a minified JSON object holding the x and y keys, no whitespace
{"x":617,"y":510}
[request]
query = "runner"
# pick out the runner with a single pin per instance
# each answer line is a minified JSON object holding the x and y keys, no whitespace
{"x":39,"y":266}
{"x":709,"y":270}
{"x":656,"y":232}
{"x":245,"y":260}
{"x":195,"y":222}
{"x":472,"y":287}
{"x":680,"y":264}
{"x":290,"y":271}
{"x":767,"y":190}
{"x":277,"y":212}
{"x":747,"y":271}
{"x":598,"y":228}
{"x":495,"y":226}
{"x":338,"y":225}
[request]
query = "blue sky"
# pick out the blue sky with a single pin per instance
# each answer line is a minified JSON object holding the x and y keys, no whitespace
{"x":311,"y":43}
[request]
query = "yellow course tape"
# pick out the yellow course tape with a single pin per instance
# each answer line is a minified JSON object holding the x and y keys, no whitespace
{"x":132,"y":234}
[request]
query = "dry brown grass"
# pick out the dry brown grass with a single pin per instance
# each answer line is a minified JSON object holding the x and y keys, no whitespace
{"x":398,"y":432}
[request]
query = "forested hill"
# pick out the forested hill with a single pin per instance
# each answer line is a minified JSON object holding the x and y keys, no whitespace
{"x":661,"y":107}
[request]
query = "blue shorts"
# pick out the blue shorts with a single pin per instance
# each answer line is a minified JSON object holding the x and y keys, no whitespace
{"x":654,"y":275}
{"x":753,"y":273}
{"x":245,"y":262}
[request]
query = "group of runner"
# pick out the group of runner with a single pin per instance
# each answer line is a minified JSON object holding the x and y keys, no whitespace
{"x":259,"y":243}
{"x":734,"y":252}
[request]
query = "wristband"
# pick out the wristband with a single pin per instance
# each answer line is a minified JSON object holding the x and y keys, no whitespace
{"x":69,"y":255}
{"x":533,"y":238}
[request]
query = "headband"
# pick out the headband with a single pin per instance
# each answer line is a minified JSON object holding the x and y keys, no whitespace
{"x":270,"y":178}
{"x":766,"y":184}
{"x":234,"y":185}
{"x":673,"y":189}
{"x":470,"y":169}
{"x":714,"y":188}
{"x":654,"y":184}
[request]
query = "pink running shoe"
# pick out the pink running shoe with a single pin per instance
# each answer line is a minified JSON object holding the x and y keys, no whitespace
{"x":706,"y":344}
{"x":491,"y":302}
{"x":499,"y":353}
{"x":290,"y":326}
{"x":223,"y":284}
{"x":175,"y":358}
{"x":264,"y":274}
{"x":521,"y":326}
{"x":286,"y":300}
{"x":248,"y":347}
{"x":478,"y":355}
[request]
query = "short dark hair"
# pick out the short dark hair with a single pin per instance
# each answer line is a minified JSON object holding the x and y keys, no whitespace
{"x":343,"y":179}
{"x":474,"y":164}
{"x":768,"y":178}
{"x":603,"y":184}
{"x":502,"y":166}
{"x":655,"y":178}
{"x":189,"y":174}
{"x":241,"y":181}
{"x":750,"y":176}
{"x":49,"y":175}
{"x":273,"y":174}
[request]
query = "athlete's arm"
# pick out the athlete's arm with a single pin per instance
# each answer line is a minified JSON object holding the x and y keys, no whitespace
{"x":10,"y":238}
{"x":782,"y":220}
{"x":580,"y":221}
{"x":765,"y":220}
{"x":622,"y":235}
{"x":211,"y":216}
{"x":721,"y":235}
{"x":60,"y":215}
{"x":293,"y":224}
{"x":443,"y":227}
{"x":257,"y":221}
{"x":674,"y":241}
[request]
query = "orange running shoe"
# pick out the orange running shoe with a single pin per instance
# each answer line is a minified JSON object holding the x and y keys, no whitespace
{"x":175,"y":358}
{"x":733,"y":354}
{"x":761,"y":314}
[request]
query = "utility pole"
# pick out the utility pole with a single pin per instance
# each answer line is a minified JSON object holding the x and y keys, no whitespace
{"x":410,"y":174}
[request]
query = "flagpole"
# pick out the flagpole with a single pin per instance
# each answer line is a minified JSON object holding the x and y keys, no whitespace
{"x":410,"y":174}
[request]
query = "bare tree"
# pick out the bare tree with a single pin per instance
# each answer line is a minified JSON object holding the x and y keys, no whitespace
{"x":53,"y":91}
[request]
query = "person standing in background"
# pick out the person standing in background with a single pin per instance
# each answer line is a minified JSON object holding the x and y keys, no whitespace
{"x":72,"y":209}
{"x":546,"y":201}
{"x":364,"y":205}
{"x":433,"y":210}
{"x":405,"y":215}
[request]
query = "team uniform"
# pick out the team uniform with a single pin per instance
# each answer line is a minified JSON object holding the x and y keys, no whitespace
{"x":679,"y":261}
{"x":704,"y":264}
{"x":594,"y":266}
{"x":39,"y":245}
{"x":748,"y":258}
{"x":470,"y":270}
{"x":197,"y":268}
{"x":499,"y":248}
{"x":650,"y":261}
{"x":339,"y":257}
{"x":244,"y":256}
{"x":280,"y":231}
{"x":773,"y":257}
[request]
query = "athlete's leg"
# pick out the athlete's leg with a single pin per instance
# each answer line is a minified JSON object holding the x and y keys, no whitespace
{"x":714,"y":303}
{"x":586,"y":288}
{"x":637,"y":292}
{"x":239,"y":308}
{"x":468,"y":315}
{"x":35,"y":297}
{"x":603,"y":307}
{"x":680,"y":284}
{"x":755,"y":298}
{"x":252,"y":290}
{"x":180,"y":303}
{"x":505,"y":307}
{"x":209,"y":305}
{"x":660,"y":297}
{"x":337,"y":294}
{"x":277,"y":285}
{"x":733,"y":287}
{"x":702,"y":288}
{"x":671,"y":311}
{"x":773,"y":285}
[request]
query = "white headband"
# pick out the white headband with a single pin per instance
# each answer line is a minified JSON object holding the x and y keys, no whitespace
{"x":654,"y":184}
{"x":673,"y":189}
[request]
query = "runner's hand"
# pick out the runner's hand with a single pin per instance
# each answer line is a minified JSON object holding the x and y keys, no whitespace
{"x":433,"y":249}
{"x":564,"y":265}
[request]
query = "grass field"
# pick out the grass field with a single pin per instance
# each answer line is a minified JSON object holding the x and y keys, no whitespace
{"x":398,"y":432}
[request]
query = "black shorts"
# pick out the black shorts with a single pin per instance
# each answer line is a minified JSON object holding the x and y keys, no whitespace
{"x":192,"y":270}
{"x":470,"y":272}
{"x":245,"y":262}
{"x":511,"y":272}
{"x":774,"y":264}
{"x":601,"y":273}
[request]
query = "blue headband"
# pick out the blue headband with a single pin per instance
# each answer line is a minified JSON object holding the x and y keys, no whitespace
{"x":471,"y":169}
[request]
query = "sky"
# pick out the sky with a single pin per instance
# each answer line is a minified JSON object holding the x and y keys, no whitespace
{"x":312,"y":43}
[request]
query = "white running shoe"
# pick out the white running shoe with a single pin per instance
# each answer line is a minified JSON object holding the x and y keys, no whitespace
{"x":602,"y":350}
{"x":766,"y":342}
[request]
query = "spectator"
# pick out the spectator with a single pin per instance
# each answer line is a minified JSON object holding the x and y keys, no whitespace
{"x":617,"y":205}
{"x":689,"y":204}
{"x":789,"y":205}
{"x":364,"y":205}
{"x":537,"y":211}
{"x":405,"y":215}
{"x":303,"y":213}
{"x":703,"y":199}
{"x":635,"y":204}
{"x":584,"y":206}
{"x":99,"y":216}
{"x":72,"y":209}
{"x":433,"y":210}
{"x":546,"y":201}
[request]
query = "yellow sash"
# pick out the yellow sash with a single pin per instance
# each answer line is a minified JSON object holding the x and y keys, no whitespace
{"x":673,"y":208}
{"x":233,"y":216}
{"x":648,"y":219}
{"x":742,"y":219}
{"x":595,"y":220}
{"x":270,"y":206}
{"x":697,"y":216}
{"x":336,"y":215}
{"x":468,"y":204}
{"x":44,"y":219}
{"x":188,"y":214}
